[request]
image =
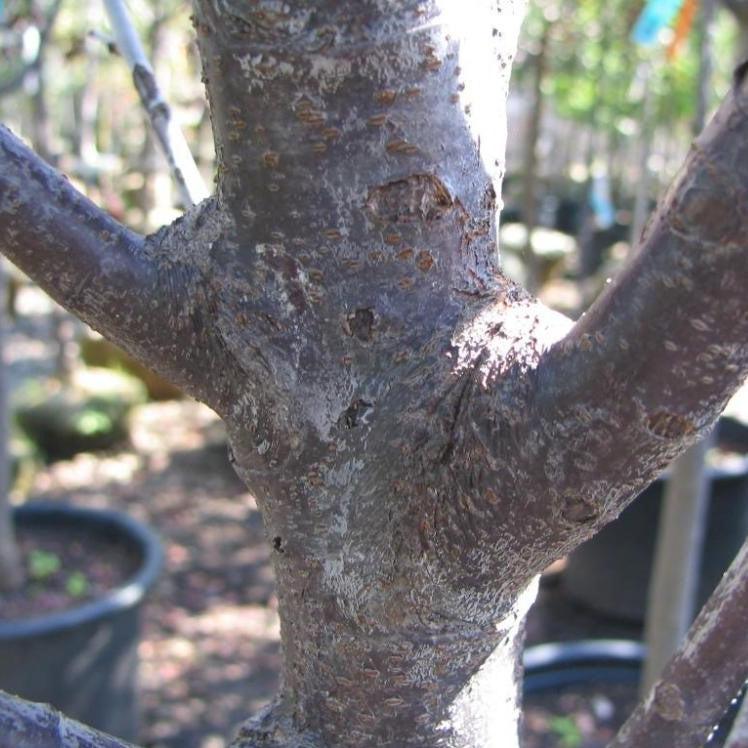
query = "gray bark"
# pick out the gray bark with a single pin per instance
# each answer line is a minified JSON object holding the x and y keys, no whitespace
{"x":672,"y":589}
{"x":705,"y":674}
{"x":27,"y":725}
{"x":422,"y":436}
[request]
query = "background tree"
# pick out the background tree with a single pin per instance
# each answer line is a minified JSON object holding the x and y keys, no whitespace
{"x":423,"y":436}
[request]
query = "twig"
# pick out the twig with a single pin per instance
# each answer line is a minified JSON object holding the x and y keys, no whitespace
{"x":170,"y":137}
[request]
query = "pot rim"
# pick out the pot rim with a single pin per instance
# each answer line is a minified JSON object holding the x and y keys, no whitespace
{"x":128,"y":595}
{"x":556,"y":664}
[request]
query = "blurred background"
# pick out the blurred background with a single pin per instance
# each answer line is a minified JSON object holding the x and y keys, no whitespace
{"x":606,"y":97}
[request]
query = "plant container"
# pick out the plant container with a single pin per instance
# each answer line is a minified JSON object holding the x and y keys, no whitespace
{"x":83,"y":660}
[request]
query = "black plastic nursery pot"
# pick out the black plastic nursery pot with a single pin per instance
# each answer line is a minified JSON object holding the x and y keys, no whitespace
{"x":83,"y":660}
{"x":554,"y":665}
{"x":579,"y":693}
{"x":610,"y":572}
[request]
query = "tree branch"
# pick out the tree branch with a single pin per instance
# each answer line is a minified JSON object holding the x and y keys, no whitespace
{"x":706,"y":673}
{"x":24,"y":724}
{"x":148,"y":295}
{"x":650,"y":367}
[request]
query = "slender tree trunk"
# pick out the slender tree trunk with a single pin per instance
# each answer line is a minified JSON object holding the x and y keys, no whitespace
{"x":170,"y":137}
{"x":643,"y":182}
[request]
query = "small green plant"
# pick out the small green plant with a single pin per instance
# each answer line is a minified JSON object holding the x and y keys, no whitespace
{"x":565,"y":728}
{"x":91,"y":422}
{"x":76,"y":584}
{"x":42,"y":564}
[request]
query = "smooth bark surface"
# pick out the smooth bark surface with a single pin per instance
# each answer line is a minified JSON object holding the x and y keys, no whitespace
{"x":147,"y":294}
{"x":422,"y":436}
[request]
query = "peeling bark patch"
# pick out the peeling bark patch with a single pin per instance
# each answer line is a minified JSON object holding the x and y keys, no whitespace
{"x":669,"y":425}
{"x":668,"y":702}
{"x":420,"y":197}
{"x":424,"y":261}
{"x":377,"y":120}
{"x":360,"y":324}
{"x":271,"y":159}
{"x":400,"y":146}
{"x":308,"y":115}
{"x":355,"y":412}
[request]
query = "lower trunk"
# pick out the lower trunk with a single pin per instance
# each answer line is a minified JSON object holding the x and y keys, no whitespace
{"x":345,"y":686}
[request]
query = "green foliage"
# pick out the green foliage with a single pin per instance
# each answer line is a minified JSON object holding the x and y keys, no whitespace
{"x":89,"y":413}
{"x":595,"y":72}
{"x":566,"y":730}
{"x":42,"y":564}
{"x":76,"y":584}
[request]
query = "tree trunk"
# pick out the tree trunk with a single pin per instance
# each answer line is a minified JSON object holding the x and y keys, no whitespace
{"x":422,"y":436}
